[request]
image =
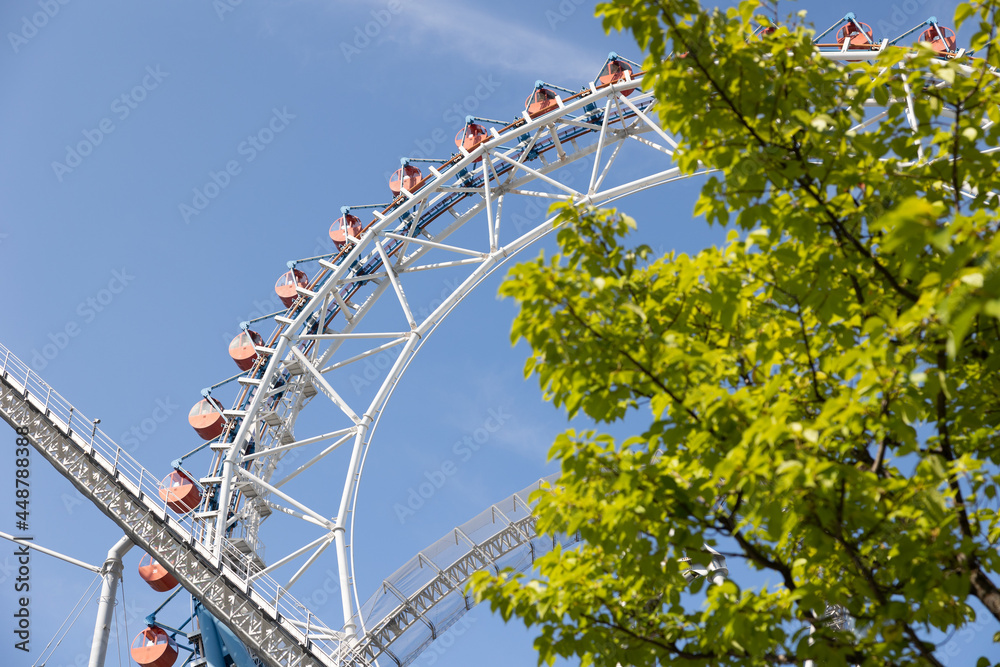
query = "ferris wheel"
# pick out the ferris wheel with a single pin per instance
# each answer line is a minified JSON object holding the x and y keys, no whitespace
{"x":446,"y":217}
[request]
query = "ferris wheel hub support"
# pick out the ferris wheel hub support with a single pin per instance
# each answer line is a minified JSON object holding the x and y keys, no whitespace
{"x":111,"y":572}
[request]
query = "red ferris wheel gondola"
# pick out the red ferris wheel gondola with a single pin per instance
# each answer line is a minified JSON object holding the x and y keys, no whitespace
{"x":154,"y":648}
{"x":156,"y":575}
{"x":206,"y":418}
{"x":540,"y":102}
{"x":471,"y":136}
{"x":343,"y":226}
{"x":941,"y":39}
{"x":180,"y":492}
{"x":243,"y":349}
{"x":859,"y":35}
{"x":406,"y":177}
{"x":287,"y":284}
{"x":615,"y":70}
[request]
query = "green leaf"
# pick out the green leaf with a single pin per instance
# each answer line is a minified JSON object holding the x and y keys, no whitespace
{"x":963,"y":12}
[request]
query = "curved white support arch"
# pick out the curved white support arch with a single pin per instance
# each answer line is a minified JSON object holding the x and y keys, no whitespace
{"x":394,"y":247}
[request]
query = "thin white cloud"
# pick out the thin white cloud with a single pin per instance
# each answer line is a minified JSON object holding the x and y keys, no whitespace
{"x":451,"y":27}
{"x":537,"y":43}
{"x":528,"y":44}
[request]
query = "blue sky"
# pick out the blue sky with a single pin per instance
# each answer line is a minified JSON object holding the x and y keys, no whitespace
{"x":124,"y":299}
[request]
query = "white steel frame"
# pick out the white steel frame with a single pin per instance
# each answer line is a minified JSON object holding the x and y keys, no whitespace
{"x":502,"y":165}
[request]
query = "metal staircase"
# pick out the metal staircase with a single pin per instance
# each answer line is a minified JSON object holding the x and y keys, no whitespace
{"x":277,"y":628}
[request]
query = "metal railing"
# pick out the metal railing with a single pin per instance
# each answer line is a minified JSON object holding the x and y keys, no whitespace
{"x":128,"y":472}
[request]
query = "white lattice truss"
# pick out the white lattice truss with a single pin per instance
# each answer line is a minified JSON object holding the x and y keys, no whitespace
{"x":414,"y":608}
{"x":136,"y":508}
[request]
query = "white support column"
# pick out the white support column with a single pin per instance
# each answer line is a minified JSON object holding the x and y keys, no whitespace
{"x":717,"y":570}
{"x":110,"y":573}
{"x":488,"y":199}
{"x":812,"y":630}
{"x":50,"y":552}
{"x":351,"y":485}
{"x":340,"y":532}
{"x":601,"y":139}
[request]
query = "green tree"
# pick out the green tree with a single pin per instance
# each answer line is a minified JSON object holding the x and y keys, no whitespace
{"x":822,"y":391}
